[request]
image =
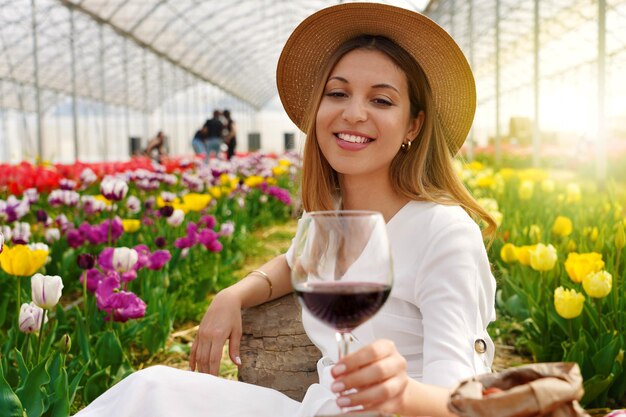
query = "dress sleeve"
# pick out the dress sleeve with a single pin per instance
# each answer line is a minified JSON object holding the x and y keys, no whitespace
{"x":455,"y":292}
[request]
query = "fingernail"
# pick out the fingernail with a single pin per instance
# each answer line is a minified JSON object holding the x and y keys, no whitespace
{"x":238,"y":360}
{"x":338,"y":387}
{"x":339,"y":369}
{"x":343,"y":401}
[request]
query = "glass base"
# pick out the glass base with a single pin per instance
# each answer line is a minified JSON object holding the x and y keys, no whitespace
{"x":358,"y":414}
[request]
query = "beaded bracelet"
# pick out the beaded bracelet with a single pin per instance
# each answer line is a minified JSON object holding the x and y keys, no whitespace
{"x":264,"y":276}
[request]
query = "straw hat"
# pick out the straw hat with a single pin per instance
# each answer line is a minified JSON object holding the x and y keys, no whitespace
{"x":313,"y":42}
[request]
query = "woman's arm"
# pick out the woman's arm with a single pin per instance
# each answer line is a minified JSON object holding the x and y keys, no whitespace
{"x":378,"y":373}
{"x":222,"y":319}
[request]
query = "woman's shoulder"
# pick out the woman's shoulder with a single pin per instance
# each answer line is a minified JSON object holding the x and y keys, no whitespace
{"x":436,"y":214}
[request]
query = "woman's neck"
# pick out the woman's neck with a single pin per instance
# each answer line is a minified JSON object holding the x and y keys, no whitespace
{"x":374,"y":194}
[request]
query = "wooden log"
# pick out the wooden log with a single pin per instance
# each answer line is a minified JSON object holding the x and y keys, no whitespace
{"x":275,"y":351}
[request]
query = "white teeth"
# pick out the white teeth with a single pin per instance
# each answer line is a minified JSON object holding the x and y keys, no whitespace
{"x":352,"y":138}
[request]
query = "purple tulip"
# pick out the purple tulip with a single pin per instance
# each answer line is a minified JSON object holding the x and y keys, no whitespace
{"x":206,"y":237}
{"x":126,"y":306}
{"x":158,"y":259}
{"x":42,"y":216}
{"x":208,"y":221}
{"x":160,"y":242}
{"x":166,"y":211}
{"x":185,"y":242}
{"x":75,"y":239}
{"x":85,"y":261}
{"x":105,"y":259}
{"x":215,"y":246}
{"x":128,"y":276}
{"x":105,"y":290}
{"x":93,"y":276}
{"x":143,"y":253}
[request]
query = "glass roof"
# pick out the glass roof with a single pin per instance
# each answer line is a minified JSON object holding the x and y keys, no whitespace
{"x":134,"y":53}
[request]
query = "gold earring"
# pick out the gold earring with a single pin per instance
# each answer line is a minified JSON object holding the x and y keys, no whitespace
{"x":406,"y":146}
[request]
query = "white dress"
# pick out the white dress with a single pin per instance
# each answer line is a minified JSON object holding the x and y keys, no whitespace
{"x":440,"y":305}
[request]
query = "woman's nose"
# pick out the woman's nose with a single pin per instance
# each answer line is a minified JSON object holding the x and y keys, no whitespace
{"x":354,"y":111}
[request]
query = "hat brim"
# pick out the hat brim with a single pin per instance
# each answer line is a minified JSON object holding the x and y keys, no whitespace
{"x":313,"y":42}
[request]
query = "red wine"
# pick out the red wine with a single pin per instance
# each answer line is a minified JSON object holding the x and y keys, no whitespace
{"x":343,"y":305}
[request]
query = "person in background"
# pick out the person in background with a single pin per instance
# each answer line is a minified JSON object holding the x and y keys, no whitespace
{"x":198,"y":142}
{"x":230,"y":138}
{"x":156,"y":149}
{"x":214,"y":136}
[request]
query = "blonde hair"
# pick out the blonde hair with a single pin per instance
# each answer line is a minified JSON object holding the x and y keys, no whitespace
{"x":424,"y":172}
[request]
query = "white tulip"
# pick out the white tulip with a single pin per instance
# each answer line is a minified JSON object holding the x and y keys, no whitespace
{"x":30,"y":318}
{"x":46,"y":290}
{"x":177,"y":217}
{"x":124,"y":259}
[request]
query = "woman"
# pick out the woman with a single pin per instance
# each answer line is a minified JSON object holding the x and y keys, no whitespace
{"x":384,"y":109}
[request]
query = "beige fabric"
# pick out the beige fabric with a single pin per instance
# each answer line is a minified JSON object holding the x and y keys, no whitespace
{"x":542,"y":389}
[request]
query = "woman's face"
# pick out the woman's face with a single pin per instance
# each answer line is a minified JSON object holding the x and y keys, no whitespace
{"x":364,"y":115}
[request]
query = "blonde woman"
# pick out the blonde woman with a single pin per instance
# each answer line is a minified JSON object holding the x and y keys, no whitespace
{"x":386,"y":99}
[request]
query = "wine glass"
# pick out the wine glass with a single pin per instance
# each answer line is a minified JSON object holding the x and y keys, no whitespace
{"x":341,"y":268}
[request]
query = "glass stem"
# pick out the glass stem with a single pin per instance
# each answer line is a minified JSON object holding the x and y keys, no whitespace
{"x":343,"y":340}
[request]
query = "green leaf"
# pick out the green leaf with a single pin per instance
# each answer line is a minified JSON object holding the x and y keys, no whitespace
{"x":61,"y":400}
{"x":604,"y":358}
{"x":10,"y":403}
{"x":595,"y":386}
{"x":82,"y":337}
{"x":109,"y":351}
{"x":31,"y":393}
{"x":74,"y":384}
{"x":96,"y":385}
{"x":3,"y":310}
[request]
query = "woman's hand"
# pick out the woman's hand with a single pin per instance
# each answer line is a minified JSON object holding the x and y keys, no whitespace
{"x":378,"y":373}
{"x":221,"y":321}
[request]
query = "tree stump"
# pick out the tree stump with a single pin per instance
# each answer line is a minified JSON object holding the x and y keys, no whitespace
{"x":275,"y":351}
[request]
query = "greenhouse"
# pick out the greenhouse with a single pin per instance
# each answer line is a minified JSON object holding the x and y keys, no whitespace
{"x":154,"y":153}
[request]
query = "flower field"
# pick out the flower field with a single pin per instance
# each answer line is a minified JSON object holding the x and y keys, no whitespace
{"x":558,"y":261}
{"x":102,"y":262}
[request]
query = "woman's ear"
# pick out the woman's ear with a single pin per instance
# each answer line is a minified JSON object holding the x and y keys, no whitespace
{"x":415,"y":125}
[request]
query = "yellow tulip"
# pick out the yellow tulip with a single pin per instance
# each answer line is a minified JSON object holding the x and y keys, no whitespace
{"x":542,"y":257}
{"x":160,"y":202}
{"x":525,"y":190}
{"x":571,"y":246}
{"x":279,"y":170}
{"x":485,"y":181}
{"x":506,"y":173}
{"x":216,"y":192}
{"x":579,"y":265}
{"x":598,"y":284}
{"x":508,"y":253}
{"x":253,"y":181}
{"x":21,"y":260}
{"x":284,"y":162}
{"x":534,"y":233}
{"x":131,"y":225}
{"x":568,"y":303}
{"x":475,"y":166}
{"x":196,"y":202}
{"x":523,"y":254}
{"x":102,"y":198}
{"x":547,"y":186}
{"x":562,"y":226}
{"x":573,"y":193}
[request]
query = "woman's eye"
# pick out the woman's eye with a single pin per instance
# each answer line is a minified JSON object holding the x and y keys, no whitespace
{"x":335,"y":94}
{"x":382,"y":102}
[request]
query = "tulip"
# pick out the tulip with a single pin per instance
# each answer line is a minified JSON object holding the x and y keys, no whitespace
{"x":133,"y":204}
{"x":176,"y":219}
{"x":568,"y":303}
{"x":46,"y":290}
{"x":227,"y":229}
{"x":131,"y":225}
{"x":196,"y":202}
{"x":30,"y":318}
{"x":598,"y":284}
{"x":113,"y":189}
{"x":534,"y":232}
{"x":573,"y":193}
{"x":547,"y":186}
{"x":562,"y":226}
{"x":52,"y":235}
{"x":22,"y":260}
{"x":508,"y":253}
{"x":579,"y":265}
{"x":543,"y":258}
{"x":124,"y":259}
{"x":523,"y":254}
{"x":85,"y":261}
{"x":525,"y":191}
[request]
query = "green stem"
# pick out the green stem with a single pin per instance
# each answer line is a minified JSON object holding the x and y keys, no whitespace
{"x":85,"y":293}
{"x":43,"y":320}
{"x":19,"y":298}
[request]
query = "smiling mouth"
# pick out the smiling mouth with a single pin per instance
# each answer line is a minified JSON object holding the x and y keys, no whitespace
{"x":353,"y":138}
